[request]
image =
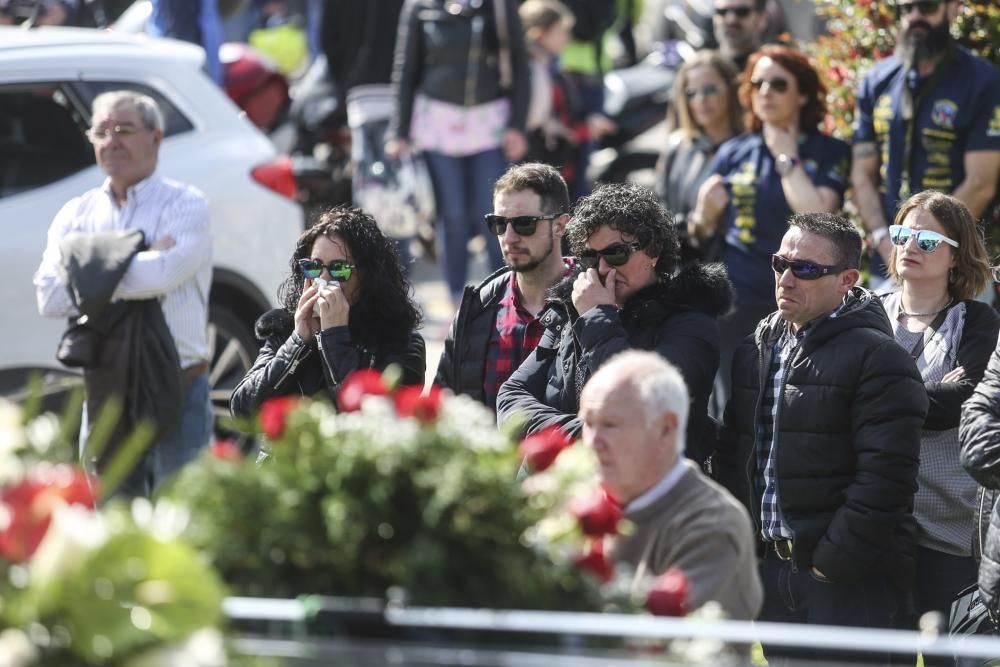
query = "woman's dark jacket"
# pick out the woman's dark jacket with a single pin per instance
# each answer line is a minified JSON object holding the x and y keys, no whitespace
{"x":676,"y":318}
{"x":979,"y":434}
{"x":442,"y":56}
{"x":462,"y":367}
{"x":287,"y":365}
{"x":850,"y":411}
{"x":359,"y":39}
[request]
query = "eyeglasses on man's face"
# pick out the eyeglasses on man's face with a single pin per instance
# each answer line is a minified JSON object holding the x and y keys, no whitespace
{"x":616,"y":254}
{"x":927,"y":240}
{"x":101,"y":134}
{"x":524,"y":225}
{"x":340,"y":270}
{"x":803,"y":269}
{"x":924,"y":7}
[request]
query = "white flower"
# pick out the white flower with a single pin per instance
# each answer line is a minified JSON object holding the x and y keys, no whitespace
{"x":164,"y":520}
{"x":74,"y":532}
{"x":202,"y":649}
{"x":16,"y":650}
{"x":42,"y":432}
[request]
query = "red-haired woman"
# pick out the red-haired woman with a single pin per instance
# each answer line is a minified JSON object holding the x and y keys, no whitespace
{"x":782,"y":165}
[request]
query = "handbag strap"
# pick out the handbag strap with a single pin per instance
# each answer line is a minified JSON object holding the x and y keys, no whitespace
{"x":918,"y":349}
{"x":503,"y":35}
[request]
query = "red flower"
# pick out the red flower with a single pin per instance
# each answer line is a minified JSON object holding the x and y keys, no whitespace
{"x":357,"y":385}
{"x":410,"y":402}
{"x":29,"y":504}
{"x":542,"y":448}
{"x":669,"y":595}
{"x":273,"y":415}
{"x":595,"y":562}
{"x":598,"y":515}
{"x":226,"y":450}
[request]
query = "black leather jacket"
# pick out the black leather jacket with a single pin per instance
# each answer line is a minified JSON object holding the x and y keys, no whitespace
{"x":456,"y":58}
{"x":848,"y":425}
{"x":288,"y":365}
{"x":979,"y":434}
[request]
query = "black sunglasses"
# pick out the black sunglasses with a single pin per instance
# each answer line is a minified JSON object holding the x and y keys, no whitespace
{"x":802,"y":269}
{"x":925,"y":7}
{"x":615,"y":254}
{"x":705,"y":91}
{"x":524,"y":225}
{"x":741,"y":12}
{"x":339,"y":269}
{"x":778,"y":85}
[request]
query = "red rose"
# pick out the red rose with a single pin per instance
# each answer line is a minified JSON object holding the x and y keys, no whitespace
{"x":357,"y":385}
{"x":226,"y":450}
{"x":669,"y":595}
{"x":411,"y":402}
{"x":542,"y":448}
{"x":29,"y":505}
{"x":597,"y":515}
{"x":273,"y":414}
{"x":595,"y":562}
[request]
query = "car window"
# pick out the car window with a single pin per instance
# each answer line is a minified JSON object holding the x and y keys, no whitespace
{"x":42,"y":136}
{"x":174,"y":121}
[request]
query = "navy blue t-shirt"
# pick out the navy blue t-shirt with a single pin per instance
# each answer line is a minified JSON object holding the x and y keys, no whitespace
{"x":757,"y":215}
{"x":961,"y":114}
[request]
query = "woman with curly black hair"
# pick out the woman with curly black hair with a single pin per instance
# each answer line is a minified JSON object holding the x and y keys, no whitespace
{"x":347,"y":305}
{"x":625,"y":294}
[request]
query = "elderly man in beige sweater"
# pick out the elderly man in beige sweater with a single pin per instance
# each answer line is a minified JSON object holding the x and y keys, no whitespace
{"x":634,"y":412}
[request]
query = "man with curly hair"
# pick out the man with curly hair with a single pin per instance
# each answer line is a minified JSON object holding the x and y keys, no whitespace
{"x":623,"y":294}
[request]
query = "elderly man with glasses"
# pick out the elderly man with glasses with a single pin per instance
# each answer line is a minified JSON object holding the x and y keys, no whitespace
{"x":157,"y":233}
{"x":822,"y":439}
{"x":626,"y":293}
{"x":928,"y":118}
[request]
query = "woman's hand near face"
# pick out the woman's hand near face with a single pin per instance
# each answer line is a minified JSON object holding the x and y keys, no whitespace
{"x":306,"y":324}
{"x":781,"y":140}
{"x":589,"y":291}
{"x":334,"y":308}
{"x":713,"y":198}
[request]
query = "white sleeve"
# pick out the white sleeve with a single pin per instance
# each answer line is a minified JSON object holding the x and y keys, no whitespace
{"x":51,"y":292}
{"x":156,"y":272}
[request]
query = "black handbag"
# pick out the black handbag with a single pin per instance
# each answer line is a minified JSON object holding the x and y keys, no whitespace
{"x":79,"y":346}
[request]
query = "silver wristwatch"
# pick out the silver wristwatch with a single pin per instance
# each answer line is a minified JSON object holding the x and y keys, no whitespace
{"x":784,"y":164}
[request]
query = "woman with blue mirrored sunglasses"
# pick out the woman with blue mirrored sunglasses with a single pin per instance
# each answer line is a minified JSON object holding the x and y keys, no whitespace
{"x":927,"y":240}
{"x":940,"y":263}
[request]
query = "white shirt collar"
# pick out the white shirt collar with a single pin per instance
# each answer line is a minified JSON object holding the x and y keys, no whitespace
{"x":660,"y":489}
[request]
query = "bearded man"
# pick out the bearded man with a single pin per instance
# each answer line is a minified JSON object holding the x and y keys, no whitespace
{"x":928,"y":118}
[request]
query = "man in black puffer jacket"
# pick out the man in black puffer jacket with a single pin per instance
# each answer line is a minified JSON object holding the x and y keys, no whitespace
{"x":822,"y":438}
{"x":497,"y":323}
{"x":979,"y":435}
{"x":624,"y":295}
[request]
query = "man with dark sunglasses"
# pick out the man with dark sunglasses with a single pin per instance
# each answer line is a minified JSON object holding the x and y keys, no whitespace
{"x":821,"y":439}
{"x":928,"y":118}
{"x":496,"y":326}
{"x":739,"y":27}
{"x":626,"y":294}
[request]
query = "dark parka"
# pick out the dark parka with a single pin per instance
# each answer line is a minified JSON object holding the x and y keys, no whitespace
{"x":979,"y":434}
{"x":676,"y":318}
{"x":286,"y":365}
{"x":462,"y":367}
{"x":850,"y":413}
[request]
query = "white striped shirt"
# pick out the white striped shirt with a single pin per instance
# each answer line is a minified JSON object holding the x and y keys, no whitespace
{"x":180,"y":276}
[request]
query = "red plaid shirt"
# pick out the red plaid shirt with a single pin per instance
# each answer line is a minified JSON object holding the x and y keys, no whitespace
{"x":515,"y":334}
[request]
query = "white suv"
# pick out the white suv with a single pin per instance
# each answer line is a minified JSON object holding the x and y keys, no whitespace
{"x":48,"y":79}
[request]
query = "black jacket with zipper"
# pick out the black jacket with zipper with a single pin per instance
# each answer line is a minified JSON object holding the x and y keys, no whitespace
{"x":850,"y":411}
{"x":455,"y":58}
{"x":676,"y":318}
{"x":287,"y":365}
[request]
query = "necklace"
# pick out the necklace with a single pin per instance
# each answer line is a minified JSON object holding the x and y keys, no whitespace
{"x":936,"y":312}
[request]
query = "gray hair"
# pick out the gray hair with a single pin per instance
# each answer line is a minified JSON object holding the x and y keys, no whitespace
{"x":658,"y":383}
{"x":147,"y":107}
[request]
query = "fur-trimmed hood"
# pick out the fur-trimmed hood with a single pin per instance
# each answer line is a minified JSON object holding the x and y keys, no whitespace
{"x":701,"y":287}
{"x":276,"y":322}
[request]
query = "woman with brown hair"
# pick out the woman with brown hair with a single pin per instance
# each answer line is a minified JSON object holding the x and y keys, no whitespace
{"x":939,"y":261}
{"x":782,"y":165}
{"x":708,"y":114}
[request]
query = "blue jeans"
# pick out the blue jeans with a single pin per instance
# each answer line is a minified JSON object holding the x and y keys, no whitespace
{"x":463,"y":191}
{"x":795,"y":595}
{"x":182,"y":445}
